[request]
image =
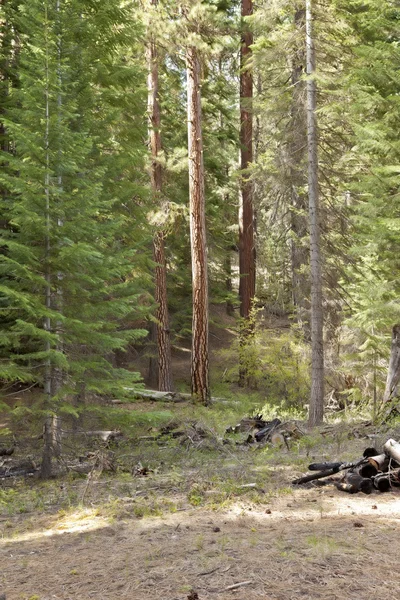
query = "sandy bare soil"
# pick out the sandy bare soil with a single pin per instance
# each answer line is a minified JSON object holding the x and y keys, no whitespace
{"x":312,"y":544}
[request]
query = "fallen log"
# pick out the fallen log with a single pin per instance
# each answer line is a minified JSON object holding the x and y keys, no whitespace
{"x":7,"y":451}
{"x":331,"y":470}
{"x":370,"y":452}
{"x":392,"y":450}
{"x":267,"y":429}
{"x":105,"y":436}
{"x":156,"y":396}
{"x":359,"y":483}
{"x":345,"y":487}
{"x":18,"y":468}
{"x":17,"y":472}
{"x":368,"y":470}
{"x":384,"y":481}
{"x":380,"y":462}
{"x":314,"y":476}
{"x":338,"y":466}
{"x":324,"y":466}
{"x":247,"y":424}
{"x":352,"y":483}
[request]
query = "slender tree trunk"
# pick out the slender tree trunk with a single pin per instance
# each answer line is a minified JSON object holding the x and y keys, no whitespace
{"x":393,"y":376}
{"x":247,"y":269}
{"x":58,"y":295}
{"x":165,"y":383}
{"x":53,"y":299}
{"x":199,"y":359}
{"x":6,"y":42}
{"x":47,"y":455}
{"x":316,"y":411}
{"x":298,"y":180}
{"x":247,"y":266}
{"x":151,"y":347}
{"x":230,"y":309}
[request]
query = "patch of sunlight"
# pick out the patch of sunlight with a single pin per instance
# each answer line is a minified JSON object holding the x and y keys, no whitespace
{"x":232,"y":332}
{"x":308,"y":508}
{"x":275,"y":468}
{"x":77,"y":522}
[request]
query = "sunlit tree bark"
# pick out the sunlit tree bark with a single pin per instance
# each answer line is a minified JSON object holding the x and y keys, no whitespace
{"x":246,"y":212}
{"x":247,"y":265}
{"x":162,"y":330}
{"x":199,"y":360}
{"x":316,"y":411}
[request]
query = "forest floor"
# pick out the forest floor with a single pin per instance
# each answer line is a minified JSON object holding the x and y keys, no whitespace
{"x":194,"y":527}
{"x":312,"y":544}
{"x":198,"y":519}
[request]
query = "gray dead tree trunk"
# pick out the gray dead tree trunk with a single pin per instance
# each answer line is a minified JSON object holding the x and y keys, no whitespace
{"x":316,"y":410}
{"x":298,"y":180}
{"x":393,"y":376}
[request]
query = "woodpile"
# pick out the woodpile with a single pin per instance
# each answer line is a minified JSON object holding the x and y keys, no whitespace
{"x":17,"y":468}
{"x":379,"y":471}
{"x":273,"y":432}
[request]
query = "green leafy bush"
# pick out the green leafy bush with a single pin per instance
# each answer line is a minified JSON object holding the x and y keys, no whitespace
{"x":277,"y":365}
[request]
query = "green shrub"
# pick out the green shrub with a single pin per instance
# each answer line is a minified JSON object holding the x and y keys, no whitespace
{"x":276,"y":364}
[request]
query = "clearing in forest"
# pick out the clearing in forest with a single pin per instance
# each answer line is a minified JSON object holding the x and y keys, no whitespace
{"x":194,"y":527}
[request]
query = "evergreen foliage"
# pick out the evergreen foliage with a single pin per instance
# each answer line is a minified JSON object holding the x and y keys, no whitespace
{"x":77,"y":214}
{"x":71,"y":203}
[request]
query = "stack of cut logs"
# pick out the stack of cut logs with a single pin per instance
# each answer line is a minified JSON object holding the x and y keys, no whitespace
{"x":374,"y":471}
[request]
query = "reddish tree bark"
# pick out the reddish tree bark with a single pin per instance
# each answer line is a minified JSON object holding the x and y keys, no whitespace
{"x":163,"y":342}
{"x":199,"y":360}
{"x":247,"y":269}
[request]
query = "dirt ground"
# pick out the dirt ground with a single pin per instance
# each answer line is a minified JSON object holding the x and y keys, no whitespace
{"x":312,"y":544}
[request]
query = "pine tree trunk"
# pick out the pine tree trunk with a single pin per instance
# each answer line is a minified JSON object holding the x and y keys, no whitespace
{"x":47,"y":435}
{"x":246,"y":213}
{"x":298,"y":179}
{"x":6,"y":42}
{"x":230,"y":310}
{"x":47,"y":455}
{"x":53,"y":375}
{"x":247,"y":266}
{"x":165,"y":383}
{"x":151,"y":350}
{"x":316,"y":410}
{"x":199,"y":358}
{"x":393,"y":376}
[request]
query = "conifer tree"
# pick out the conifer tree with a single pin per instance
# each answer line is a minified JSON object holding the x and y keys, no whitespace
{"x":246,"y":211}
{"x":373,"y":187}
{"x":164,"y":376}
{"x":200,"y":357}
{"x":66,"y":289}
{"x":317,"y":343}
{"x":297,"y":174}
{"x":247,"y":266}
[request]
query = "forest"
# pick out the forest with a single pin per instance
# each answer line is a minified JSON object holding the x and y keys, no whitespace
{"x":199,"y":293}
